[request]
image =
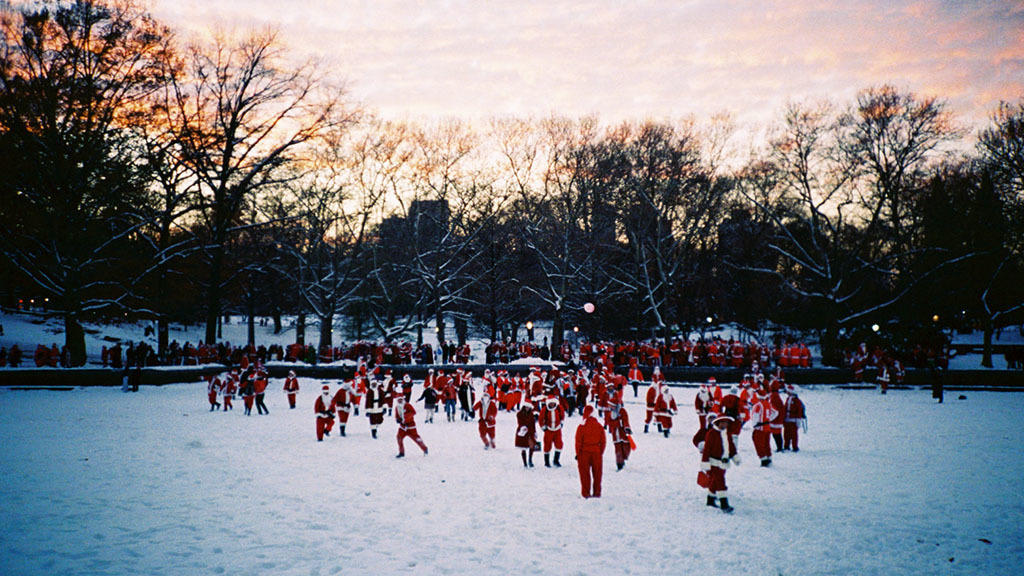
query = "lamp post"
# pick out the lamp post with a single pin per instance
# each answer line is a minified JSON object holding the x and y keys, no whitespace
{"x":529,"y":330}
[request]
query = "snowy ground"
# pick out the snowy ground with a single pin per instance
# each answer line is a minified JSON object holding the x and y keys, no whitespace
{"x":96,"y":481}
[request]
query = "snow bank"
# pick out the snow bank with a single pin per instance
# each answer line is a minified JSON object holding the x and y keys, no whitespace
{"x":96,"y":481}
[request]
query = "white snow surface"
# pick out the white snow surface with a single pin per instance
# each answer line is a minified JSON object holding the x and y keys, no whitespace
{"x":96,"y":481}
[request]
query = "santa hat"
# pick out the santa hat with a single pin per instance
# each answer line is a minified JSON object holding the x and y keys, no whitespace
{"x":712,"y":381}
{"x":407,"y":378}
{"x":291,"y":373}
{"x":588,"y":411}
{"x":326,"y":388}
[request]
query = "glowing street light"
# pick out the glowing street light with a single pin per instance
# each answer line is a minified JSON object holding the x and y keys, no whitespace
{"x":529,"y":330}
{"x":874,"y":328}
{"x":935,"y":318}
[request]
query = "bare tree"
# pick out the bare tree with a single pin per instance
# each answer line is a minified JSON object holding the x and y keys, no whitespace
{"x":74,"y":77}
{"x":245,"y":111}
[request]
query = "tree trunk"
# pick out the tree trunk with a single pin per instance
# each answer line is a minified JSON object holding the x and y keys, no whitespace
{"x":250,"y":330}
{"x":74,"y":339}
{"x":300,"y":329}
{"x":557,"y":331}
{"x":439,"y":323}
{"x":213,"y":296}
{"x":277,"y":321}
{"x":461,"y":330}
{"x":162,"y":336}
{"x":986,"y":351}
{"x":327,"y":330}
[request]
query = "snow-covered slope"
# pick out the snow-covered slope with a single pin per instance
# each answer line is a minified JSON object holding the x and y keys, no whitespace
{"x":95,"y":481}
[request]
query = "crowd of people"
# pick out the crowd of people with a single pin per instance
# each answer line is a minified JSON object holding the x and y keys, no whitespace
{"x":541,"y":402}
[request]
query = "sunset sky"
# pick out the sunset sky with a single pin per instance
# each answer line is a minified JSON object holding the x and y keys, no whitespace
{"x":641,"y":59}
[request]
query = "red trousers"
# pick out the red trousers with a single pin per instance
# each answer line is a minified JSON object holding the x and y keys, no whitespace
{"x":412,"y":434}
{"x":589,"y":464}
{"x":323,"y":425}
{"x":291,"y":400}
{"x":762,"y":442}
{"x":552,"y":438}
{"x":227,"y":403}
{"x":621,"y":452}
{"x":717,"y":480}
{"x":790,"y":436}
{"x":486,"y":433}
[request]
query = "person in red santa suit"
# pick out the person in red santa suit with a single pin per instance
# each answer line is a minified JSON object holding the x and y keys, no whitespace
{"x":653,"y":393}
{"x":324,"y":409}
{"x":702,"y":404}
{"x":762,"y":413}
{"x":375,"y":405}
{"x":405,"y":416}
{"x":487,"y":413}
{"x":260,"y":382}
{"x":796,"y":416}
{"x":291,"y":388}
{"x":213,"y":388}
{"x":664,"y":409}
{"x":719,"y":453}
{"x":590,"y":444}
{"x":620,"y":432}
{"x":344,"y":402}
{"x":526,"y":433}
{"x":229,"y":389}
{"x":552,"y":417}
{"x":635,"y":376}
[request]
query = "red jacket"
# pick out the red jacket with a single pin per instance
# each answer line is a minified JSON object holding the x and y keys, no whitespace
{"x":718,"y":448}
{"x":590,"y":437}
{"x":551,"y":419}
{"x":407,"y":418}
{"x":291,"y":385}
{"x":487,"y":415}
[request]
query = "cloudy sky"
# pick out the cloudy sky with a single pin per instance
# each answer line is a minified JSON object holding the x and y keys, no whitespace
{"x":641,"y":59}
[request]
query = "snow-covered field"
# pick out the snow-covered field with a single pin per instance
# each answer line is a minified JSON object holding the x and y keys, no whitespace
{"x":96,"y":481}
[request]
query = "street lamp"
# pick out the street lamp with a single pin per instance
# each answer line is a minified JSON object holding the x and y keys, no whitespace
{"x":874,"y":328}
{"x":529,"y":330}
{"x":935,"y":318}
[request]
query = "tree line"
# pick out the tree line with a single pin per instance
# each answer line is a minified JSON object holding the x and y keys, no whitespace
{"x":180,"y":180}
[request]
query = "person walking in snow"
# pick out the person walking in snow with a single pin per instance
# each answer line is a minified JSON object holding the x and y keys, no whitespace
{"x":526,"y":433}
{"x":405,"y":416}
{"x":487,"y":413}
{"x":212,"y":391}
{"x":664,"y":409}
{"x":375,"y":405}
{"x":260,"y":382}
{"x":229,"y":389}
{"x":291,"y":388}
{"x":796,"y":416}
{"x":620,"y":433}
{"x":719,"y":453}
{"x":344,"y":402}
{"x":762,"y":413}
{"x":324,"y":409}
{"x":552,"y":417}
{"x":590,"y":444}
{"x":429,"y":398}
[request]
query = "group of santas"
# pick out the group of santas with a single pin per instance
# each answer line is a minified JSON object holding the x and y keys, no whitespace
{"x":722,"y":416}
{"x":250,"y":383}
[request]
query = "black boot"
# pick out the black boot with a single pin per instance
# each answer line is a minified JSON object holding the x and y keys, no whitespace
{"x":547,"y":460}
{"x":666,"y":432}
{"x":341,"y":430}
{"x":373,"y":433}
{"x":712,"y":501}
{"x":557,"y":463}
{"x":647,"y":427}
{"x":525,"y":464}
{"x":531,"y":458}
{"x":619,"y":465}
{"x":725,"y":506}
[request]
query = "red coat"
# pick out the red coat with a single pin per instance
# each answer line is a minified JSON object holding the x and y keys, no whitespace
{"x":590,"y":437}
{"x":618,"y":428}
{"x":718,"y":447}
{"x":291,"y":385}
{"x":552,"y":420}
{"x":487,"y":416}
{"x":406,"y":418}
{"x":526,"y":428}
{"x":321,"y":408}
